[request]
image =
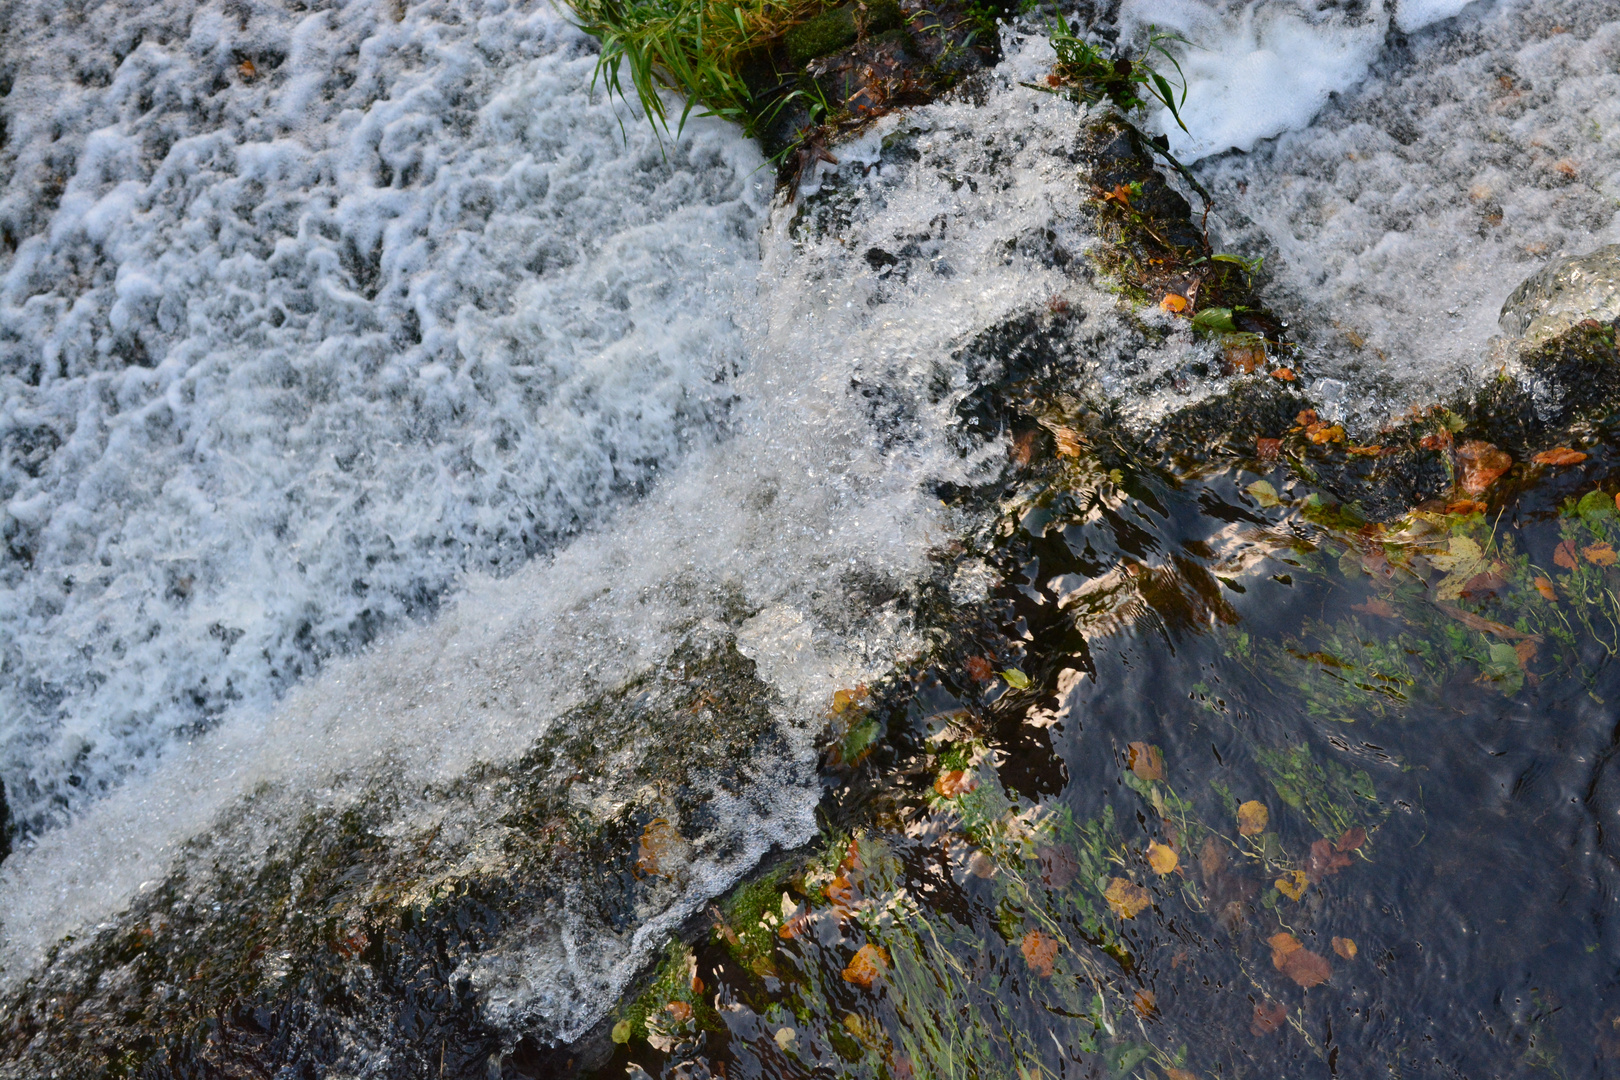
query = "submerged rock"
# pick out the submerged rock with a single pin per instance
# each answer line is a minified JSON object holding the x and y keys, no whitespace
{"x":5,"y":824}
{"x":1563,"y":294}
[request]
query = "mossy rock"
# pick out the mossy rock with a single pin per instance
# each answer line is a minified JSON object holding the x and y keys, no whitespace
{"x":838,"y":29}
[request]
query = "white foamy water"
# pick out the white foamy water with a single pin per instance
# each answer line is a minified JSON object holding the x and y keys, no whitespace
{"x":1400,"y":221}
{"x":303,"y":313}
{"x":842,"y":418}
{"x":1256,"y":68}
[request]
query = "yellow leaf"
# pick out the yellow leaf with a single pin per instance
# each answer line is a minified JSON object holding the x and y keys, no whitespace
{"x":1174,"y":303}
{"x":1345,"y":947}
{"x":1600,"y":554}
{"x":1126,"y":897}
{"x":1163,"y":859}
{"x":1253,"y":817}
{"x":1292,"y":884}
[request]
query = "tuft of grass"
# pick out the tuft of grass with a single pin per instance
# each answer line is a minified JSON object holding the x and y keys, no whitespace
{"x":715,"y":53}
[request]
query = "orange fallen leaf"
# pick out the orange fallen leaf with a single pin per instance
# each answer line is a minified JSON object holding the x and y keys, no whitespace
{"x":1352,"y":839}
{"x":1253,"y":817}
{"x":1564,"y":555}
{"x":1292,"y":884}
{"x":870,"y":961}
{"x":659,"y":841}
{"x":1268,"y":1017}
{"x":1121,"y":194}
{"x":1146,"y":1003}
{"x":1245,"y":359}
{"x":1481,"y":464}
{"x":1069,"y":443}
{"x":1268,"y":449}
{"x":979,"y":669}
{"x":1145,"y":761}
{"x":1373,"y":450}
{"x":1345,"y":947}
{"x":1126,"y":897}
{"x":1328,"y":433}
{"x":1438,"y":441}
{"x":1525,"y":651}
{"x":680,"y":1011}
{"x":1162,"y":859}
{"x":1174,"y":303}
{"x":1307,"y":968}
{"x":1285,"y":374}
{"x":1562,"y":455}
{"x":1306,"y":418}
{"x":1040,"y":949}
{"x":1180,"y":1074}
{"x":1464,"y":507}
{"x":247,"y":70}
{"x":1545,"y":588}
{"x":1600,"y":554}
{"x":1283,"y":945}
{"x":955,"y":782}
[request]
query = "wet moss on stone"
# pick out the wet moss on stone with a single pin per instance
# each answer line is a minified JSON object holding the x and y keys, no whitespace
{"x":839,"y":28}
{"x":350,"y":942}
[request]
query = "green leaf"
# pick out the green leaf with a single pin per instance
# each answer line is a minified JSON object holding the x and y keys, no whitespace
{"x":1016,"y":679}
{"x":1215,"y":318}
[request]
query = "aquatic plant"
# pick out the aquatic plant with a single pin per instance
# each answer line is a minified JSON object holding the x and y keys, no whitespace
{"x":698,"y":48}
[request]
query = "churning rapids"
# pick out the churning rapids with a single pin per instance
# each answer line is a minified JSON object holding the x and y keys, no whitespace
{"x":377,"y":395}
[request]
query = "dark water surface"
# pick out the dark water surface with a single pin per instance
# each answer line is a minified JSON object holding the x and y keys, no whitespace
{"x":1057,"y":880}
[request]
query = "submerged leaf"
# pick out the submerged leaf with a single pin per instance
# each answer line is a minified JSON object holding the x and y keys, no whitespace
{"x":1126,"y":897}
{"x":978,"y":668}
{"x":1253,"y":817}
{"x":1306,"y":968}
{"x":1352,"y":839}
{"x":1040,"y":949}
{"x":869,"y":962}
{"x":1292,"y":884}
{"x":1297,"y":962}
{"x":1324,"y":861}
{"x":1268,"y":1017}
{"x":1481,"y":464}
{"x":1264,"y":493}
{"x":955,"y":782}
{"x":1564,"y":555}
{"x":1161,"y":858}
{"x":1561,"y":455}
{"x":1545,"y":588}
{"x":1345,"y":947}
{"x":1016,"y":679}
{"x":1145,"y":761}
{"x":1600,"y":554}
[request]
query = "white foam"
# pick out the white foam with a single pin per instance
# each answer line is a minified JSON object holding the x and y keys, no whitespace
{"x":844,"y":416}
{"x":303,"y":342}
{"x":1256,"y":68}
{"x":1399,"y":223}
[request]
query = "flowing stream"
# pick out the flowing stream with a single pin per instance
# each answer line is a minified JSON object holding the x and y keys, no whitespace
{"x":379,"y":398}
